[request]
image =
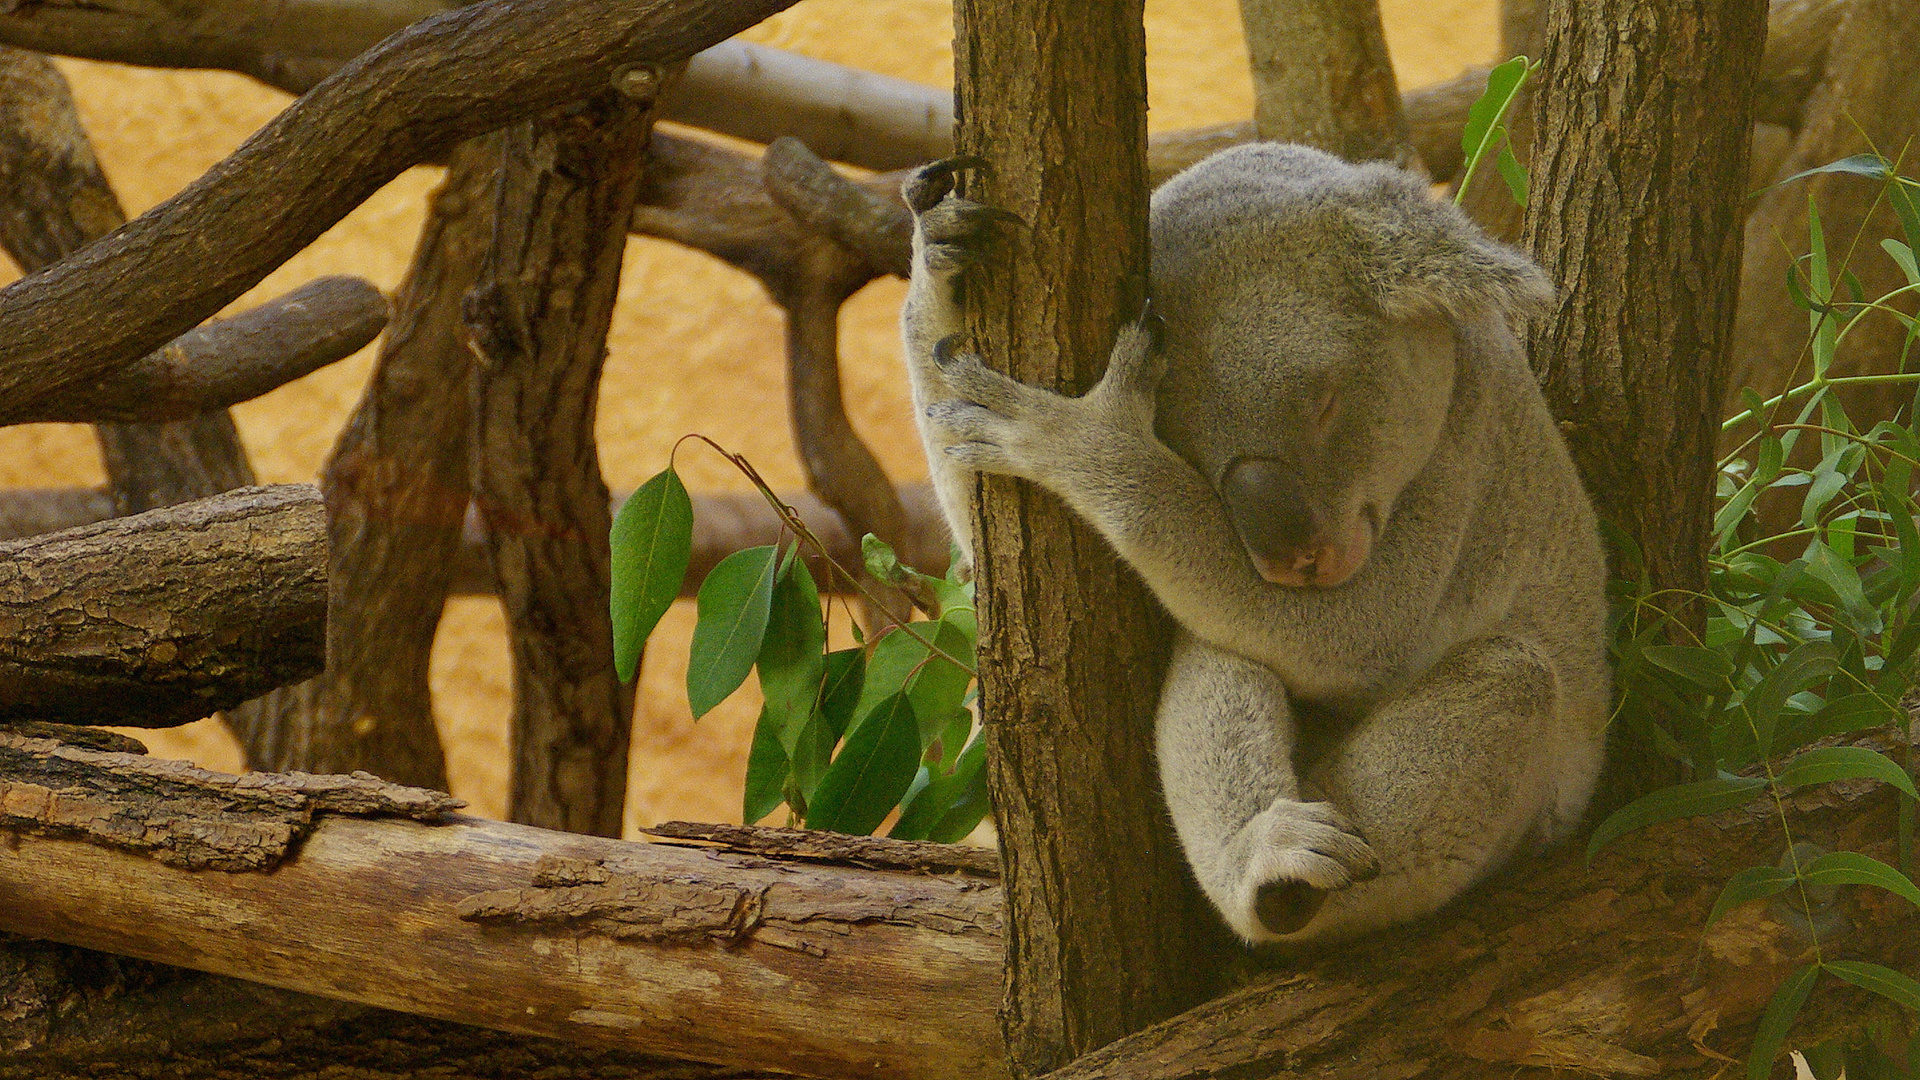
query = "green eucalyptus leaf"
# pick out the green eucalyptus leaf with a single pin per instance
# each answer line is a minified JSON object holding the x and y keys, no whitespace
{"x":1902,"y":256}
{"x":1851,"y":868}
{"x":1484,"y":128}
{"x":1771,"y":1035}
{"x":652,"y":540}
{"x":1514,"y":173}
{"x":1869,"y":165}
{"x":1706,"y":669}
{"x":1843,"y":763}
{"x":734,"y":603}
{"x":767,"y":771}
{"x":1753,"y":883}
{"x":791,"y":661}
{"x":1886,"y":982}
{"x":873,"y":770}
{"x":1680,"y":801}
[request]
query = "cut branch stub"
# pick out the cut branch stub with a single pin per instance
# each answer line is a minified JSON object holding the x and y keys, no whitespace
{"x":167,"y":616}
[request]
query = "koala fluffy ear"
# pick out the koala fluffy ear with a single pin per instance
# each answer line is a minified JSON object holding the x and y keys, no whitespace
{"x":1418,"y":254}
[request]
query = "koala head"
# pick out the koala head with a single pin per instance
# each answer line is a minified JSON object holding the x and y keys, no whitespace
{"x":1313,"y":313}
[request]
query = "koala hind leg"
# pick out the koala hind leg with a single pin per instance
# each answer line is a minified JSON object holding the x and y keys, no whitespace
{"x":1264,"y":854}
{"x":1446,"y":780}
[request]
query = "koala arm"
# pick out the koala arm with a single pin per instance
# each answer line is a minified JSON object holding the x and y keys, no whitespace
{"x":1100,"y":454}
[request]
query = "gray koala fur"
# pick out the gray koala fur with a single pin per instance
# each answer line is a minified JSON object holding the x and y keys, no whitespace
{"x":1327,"y":457}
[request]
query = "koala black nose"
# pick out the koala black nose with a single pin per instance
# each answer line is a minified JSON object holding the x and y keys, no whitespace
{"x":1269,"y":510}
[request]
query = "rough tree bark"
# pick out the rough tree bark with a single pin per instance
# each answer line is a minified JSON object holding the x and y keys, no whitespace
{"x":1106,"y":933}
{"x":397,"y":494}
{"x":167,"y":616}
{"x":415,"y":95}
{"x":1321,"y":76}
{"x":538,"y":320}
{"x":59,"y":201}
{"x":1644,"y":113}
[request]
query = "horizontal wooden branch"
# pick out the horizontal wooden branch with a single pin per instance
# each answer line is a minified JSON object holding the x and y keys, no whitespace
{"x":167,"y":616}
{"x":722,"y":525}
{"x":710,"y":955}
{"x":776,"y":956}
{"x":227,"y":361}
{"x":414,"y":95}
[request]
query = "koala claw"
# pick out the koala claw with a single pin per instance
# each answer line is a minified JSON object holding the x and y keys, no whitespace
{"x":1300,"y":853}
{"x":928,"y":184}
{"x":1137,"y":363}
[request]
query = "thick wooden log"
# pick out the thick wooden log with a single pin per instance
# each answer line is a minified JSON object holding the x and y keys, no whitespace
{"x":814,"y":968}
{"x":780,"y":955}
{"x":167,"y":616}
{"x":437,"y":83}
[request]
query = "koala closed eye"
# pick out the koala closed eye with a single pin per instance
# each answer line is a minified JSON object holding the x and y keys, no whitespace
{"x":1349,"y":494}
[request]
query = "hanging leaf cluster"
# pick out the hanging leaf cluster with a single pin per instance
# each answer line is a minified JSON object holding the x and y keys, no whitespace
{"x":845,"y":737}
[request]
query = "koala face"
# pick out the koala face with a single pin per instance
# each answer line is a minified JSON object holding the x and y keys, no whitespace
{"x":1311,"y":308}
{"x":1308,"y":417}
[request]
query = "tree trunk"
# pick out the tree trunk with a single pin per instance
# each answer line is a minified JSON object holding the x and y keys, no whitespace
{"x":1106,"y":933}
{"x":1321,"y":76}
{"x":538,"y":319}
{"x":397,"y":495}
{"x":167,"y":616}
{"x":1639,"y":179}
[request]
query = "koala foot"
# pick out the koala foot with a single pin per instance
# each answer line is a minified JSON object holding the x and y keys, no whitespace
{"x":1297,"y":853}
{"x":954,"y":233}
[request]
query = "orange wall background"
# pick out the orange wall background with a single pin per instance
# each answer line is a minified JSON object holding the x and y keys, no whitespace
{"x":695,"y":346}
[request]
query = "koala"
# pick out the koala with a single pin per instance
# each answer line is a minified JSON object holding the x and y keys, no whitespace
{"x":1325,"y":454}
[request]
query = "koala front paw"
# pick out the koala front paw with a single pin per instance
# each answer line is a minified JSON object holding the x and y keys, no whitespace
{"x":992,"y":424}
{"x":1296,"y":854}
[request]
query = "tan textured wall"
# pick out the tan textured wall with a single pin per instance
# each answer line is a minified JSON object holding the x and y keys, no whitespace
{"x":695,"y":346}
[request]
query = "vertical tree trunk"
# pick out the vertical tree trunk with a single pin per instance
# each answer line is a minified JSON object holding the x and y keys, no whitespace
{"x":539,"y":320}
{"x":1321,"y":76}
{"x":397,"y":493}
{"x":1106,"y":933}
{"x":1639,"y":175}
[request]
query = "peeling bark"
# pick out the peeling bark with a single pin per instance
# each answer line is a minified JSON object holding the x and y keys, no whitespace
{"x":167,"y":616}
{"x":179,"y":815}
{"x":743,"y":959}
{"x":779,"y":955}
